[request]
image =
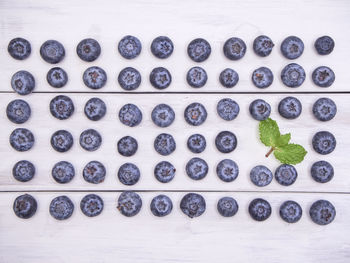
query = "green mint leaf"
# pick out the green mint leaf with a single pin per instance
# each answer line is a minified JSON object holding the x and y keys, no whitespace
{"x":283,"y":140}
{"x":290,"y":153}
{"x":269,"y":132}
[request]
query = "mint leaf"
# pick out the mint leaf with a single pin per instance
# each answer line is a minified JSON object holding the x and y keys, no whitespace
{"x":269,"y":132}
{"x":283,"y":140}
{"x":290,"y":153}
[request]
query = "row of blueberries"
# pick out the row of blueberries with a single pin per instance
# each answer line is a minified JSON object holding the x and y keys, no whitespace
{"x":129,"y":174}
{"x":62,"y":107}
{"x":322,"y":212}
{"x":292,"y":75}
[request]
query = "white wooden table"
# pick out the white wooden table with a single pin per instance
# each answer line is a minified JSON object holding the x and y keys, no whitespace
{"x":111,"y":237}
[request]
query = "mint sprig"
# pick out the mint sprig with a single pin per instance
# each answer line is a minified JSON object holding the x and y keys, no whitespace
{"x":285,"y":152}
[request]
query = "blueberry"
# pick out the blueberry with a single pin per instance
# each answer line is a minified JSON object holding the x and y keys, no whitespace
{"x":290,"y":211}
{"x":129,"y":78}
{"x":195,"y":114}
{"x":197,"y":168}
{"x":162,"y":47}
{"x":129,"y":203}
{"x":95,"y":109}
{"x":128,"y":174}
{"x":91,"y":205}
{"x":161,"y":205}
{"x":226,"y":142}
{"x":22,"y":139}
{"x":127,"y":146}
{"x":290,"y":108}
{"x":163,"y":115}
{"x":198,"y":49}
{"x":323,"y":76}
{"x":263,"y":46}
{"x":292,"y":47}
{"x":23,"y":82}
{"x":324,"y":45}
{"x":61,"y":207}
{"x":227,"y":170}
{"x":193,"y":205}
{"x":94,"y":172}
{"x":88,"y":49}
{"x":324,"y":109}
{"x":262,"y":77}
{"x":130,"y":115}
{"x":129,"y":47}
{"x":164,"y":144}
{"x":52,"y":51}
{"x":164,"y":172}
{"x":324,"y":142}
{"x":261,"y":176}
{"x":196,"y":77}
{"x":322,"y":171}
{"x":19,"y":48}
{"x":227,"y":206}
{"x":57,"y":77}
{"x":61,"y":107}
{"x":227,"y":109}
{"x":259,"y":109}
{"x":234,"y":48}
{"x":228,"y":78}
{"x":293,"y":75}
{"x":62,"y":141}
{"x":196,"y":143}
{"x":94,"y":77}
{"x":25,"y":206}
{"x":322,"y":212}
{"x":259,"y":209}
{"x":160,"y":78}
{"x":286,"y":174}
{"x":63,"y":172}
{"x":18,"y":111}
{"x":90,"y":140}
{"x":23,"y":171}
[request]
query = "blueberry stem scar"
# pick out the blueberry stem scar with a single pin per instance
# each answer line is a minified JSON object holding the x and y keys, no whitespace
{"x":269,"y":152}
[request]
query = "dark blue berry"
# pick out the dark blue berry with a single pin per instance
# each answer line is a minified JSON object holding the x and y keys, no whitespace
{"x":19,"y":48}
{"x":234,"y":48}
{"x":18,"y":111}
{"x":324,"y":142}
{"x":197,"y":168}
{"x":259,"y":209}
{"x":162,"y":47}
{"x":57,"y":77}
{"x":227,"y":170}
{"x":164,"y":172}
{"x":61,"y":207}
{"x":324,"y":109}
{"x":129,"y":203}
{"x":261,"y":176}
{"x":127,"y":146}
{"x":322,"y":212}
{"x":195,"y":114}
{"x":95,"y":109}
{"x":88,"y":49}
{"x":322,"y":171}
{"x":23,"y":171}
{"x":22,"y":139}
{"x":226,"y":142}
{"x":164,"y":144}
{"x":193,"y":205}
{"x":94,"y":77}
{"x":323,"y":76}
{"x":286,"y":174}
{"x":259,"y":109}
{"x":324,"y":45}
{"x":161,"y":205}
{"x":61,"y":107}
{"x":292,"y":47}
{"x":199,"y":49}
{"x":25,"y":206}
{"x":128,"y":174}
{"x":91,"y":205}
{"x":227,"y":109}
{"x":63,"y":172}
{"x":227,"y":206}
{"x":160,"y":78}
{"x":129,"y":47}
{"x":263,"y":46}
{"x":163,"y":115}
{"x":130,"y":115}
{"x":90,"y":140}
{"x":262,"y":77}
{"x":290,"y":108}
{"x":196,"y":143}
{"x":290,"y":211}
{"x":293,"y":75}
{"x":197,"y":77}
{"x":228,"y":78}
{"x":62,"y":141}
{"x":52,"y":51}
{"x":23,"y":82}
{"x":129,"y":78}
{"x":94,"y":172}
